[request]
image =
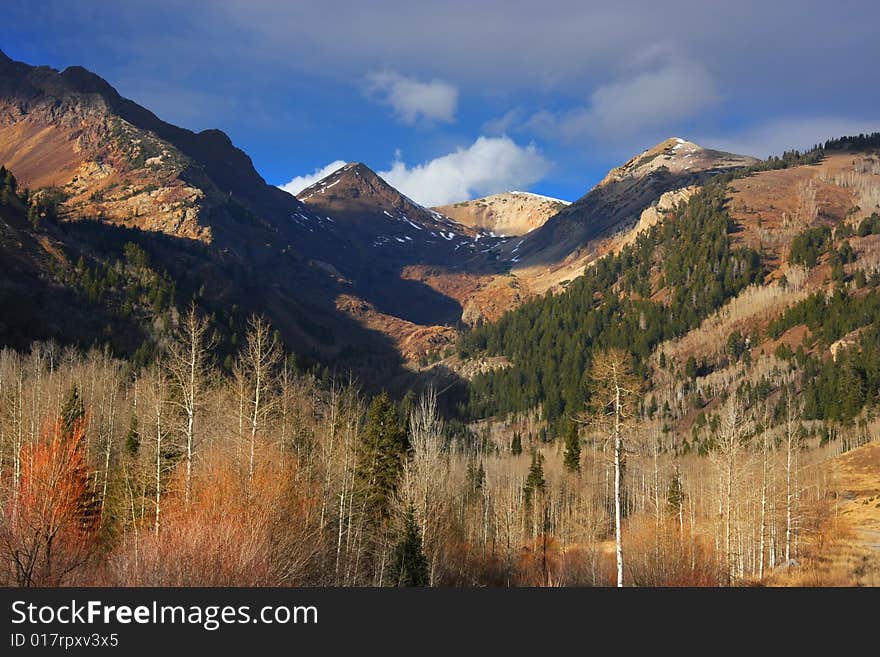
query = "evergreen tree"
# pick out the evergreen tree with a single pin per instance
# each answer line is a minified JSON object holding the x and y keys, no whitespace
{"x":33,"y":215}
{"x":72,"y":412}
{"x":675,"y":493}
{"x":8,"y":186}
{"x":736,"y":345}
{"x":409,"y":566}
{"x":407,"y":404}
{"x":535,"y":479}
{"x":383,"y":449}
{"x":132,"y":438}
{"x":572,"y":459}
{"x":690,"y":368}
{"x":516,"y":444}
{"x":71,"y":432}
{"x":476,"y":476}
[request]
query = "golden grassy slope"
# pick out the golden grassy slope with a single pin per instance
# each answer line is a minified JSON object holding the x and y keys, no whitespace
{"x":841,"y":544}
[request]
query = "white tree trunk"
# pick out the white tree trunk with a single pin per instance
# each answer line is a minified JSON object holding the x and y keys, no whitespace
{"x":618,"y":539}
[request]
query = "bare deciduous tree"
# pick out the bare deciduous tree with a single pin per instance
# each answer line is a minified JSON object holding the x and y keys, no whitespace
{"x":257,"y":363}
{"x":425,"y":476}
{"x":188,"y":363}
{"x":792,"y":440}
{"x":614,"y":393}
{"x":729,"y":444}
{"x":48,"y":526}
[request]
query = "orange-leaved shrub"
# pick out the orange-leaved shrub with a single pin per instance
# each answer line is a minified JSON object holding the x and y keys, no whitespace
{"x":49,"y":535}
{"x":235,"y":531}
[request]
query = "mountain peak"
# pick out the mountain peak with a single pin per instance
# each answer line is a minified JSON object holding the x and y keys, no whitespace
{"x":359,"y":168}
{"x":355,"y":181}
{"x":362,"y":201}
{"x":626,"y":191}
{"x":74,"y":131}
{"x":84,"y":81}
{"x":675,"y":156}
{"x":506,"y":213}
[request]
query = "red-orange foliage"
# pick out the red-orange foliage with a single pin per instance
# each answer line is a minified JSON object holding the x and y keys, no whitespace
{"x":232,"y":533}
{"x":661,"y":556}
{"x":539,"y":563}
{"x":49,"y":529}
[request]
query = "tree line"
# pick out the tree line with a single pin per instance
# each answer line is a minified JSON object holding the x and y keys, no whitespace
{"x":177,"y":473}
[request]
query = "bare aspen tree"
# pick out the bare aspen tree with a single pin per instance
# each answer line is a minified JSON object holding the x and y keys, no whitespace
{"x":327,"y":445}
{"x":614,"y":393}
{"x":655,"y":446}
{"x":792,"y":446}
{"x":239,"y":377}
{"x":2,"y":419}
{"x":18,"y":430}
{"x":286,"y":385}
{"x":350,"y":429}
{"x":157,"y":395}
{"x":425,"y":475}
{"x":505,"y":493}
{"x":188,"y":363}
{"x":257,"y":362}
{"x":726,"y":455}
{"x":112,"y":382}
{"x":762,"y":540}
{"x":807,"y":208}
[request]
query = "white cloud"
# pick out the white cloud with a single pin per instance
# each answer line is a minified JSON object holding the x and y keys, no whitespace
{"x":508,"y":122}
{"x":299,"y":183}
{"x":489,"y":165}
{"x":656,"y":98}
{"x":412,"y":99}
{"x":782,"y":134}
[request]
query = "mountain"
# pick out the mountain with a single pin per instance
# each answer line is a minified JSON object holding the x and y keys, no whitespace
{"x":507,"y":213}
{"x":731,"y":307}
{"x":114,"y":159}
{"x":352,"y":272}
{"x":759,"y":280}
{"x":618,"y":201}
{"x":398,"y":248}
{"x":109,"y":172}
{"x":340,"y":274}
{"x":370,"y":212}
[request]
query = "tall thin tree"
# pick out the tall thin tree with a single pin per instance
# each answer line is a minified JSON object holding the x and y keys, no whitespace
{"x":614,"y":395}
{"x":188,"y":362}
{"x":257,"y":364}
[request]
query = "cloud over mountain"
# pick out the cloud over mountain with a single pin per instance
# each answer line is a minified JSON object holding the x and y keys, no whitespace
{"x":655,"y":97}
{"x":489,"y":165}
{"x":413,"y":99}
{"x":295,"y":84}
{"x":299,"y":183}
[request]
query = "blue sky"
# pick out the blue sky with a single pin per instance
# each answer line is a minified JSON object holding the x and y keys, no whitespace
{"x":458,"y":99}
